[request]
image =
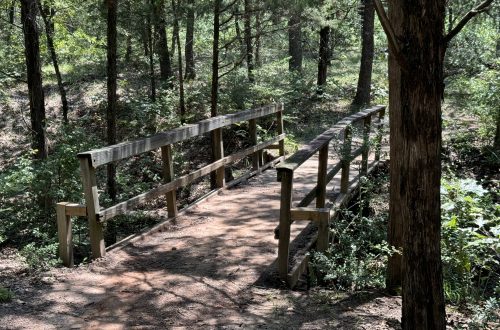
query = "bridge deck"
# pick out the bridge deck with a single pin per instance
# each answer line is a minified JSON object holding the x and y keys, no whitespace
{"x":205,"y":269}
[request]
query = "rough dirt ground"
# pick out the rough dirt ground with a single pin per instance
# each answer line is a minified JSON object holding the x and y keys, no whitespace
{"x":211,"y":268}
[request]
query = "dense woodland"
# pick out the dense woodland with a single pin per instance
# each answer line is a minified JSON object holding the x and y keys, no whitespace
{"x":77,"y":75}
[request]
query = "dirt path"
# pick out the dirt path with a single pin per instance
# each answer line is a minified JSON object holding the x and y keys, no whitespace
{"x":212,"y":268}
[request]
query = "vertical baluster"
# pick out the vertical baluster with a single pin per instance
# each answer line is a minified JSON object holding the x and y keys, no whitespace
{"x":168,"y":176}
{"x":322,"y":171}
{"x":285,"y":221}
{"x":366,"y":145}
{"x":253,"y":139}
{"x":346,"y":160}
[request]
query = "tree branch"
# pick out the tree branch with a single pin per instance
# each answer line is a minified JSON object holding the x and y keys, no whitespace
{"x":386,"y":25}
{"x":476,"y":10}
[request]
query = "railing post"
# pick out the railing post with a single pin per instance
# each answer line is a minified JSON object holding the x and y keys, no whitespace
{"x":322,"y":171}
{"x":366,"y":145}
{"x":218,"y":153}
{"x":65,"y":235}
{"x":285,"y":221}
{"x":252,"y":123}
{"x":92,"y":202}
{"x":323,"y":232}
{"x":346,"y":160}
{"x":281,"y":129}
{"x":168,"y":176}
{"x":380,"y":132}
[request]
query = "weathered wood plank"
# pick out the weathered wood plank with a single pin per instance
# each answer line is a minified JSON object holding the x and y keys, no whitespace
{"x":65,"y":235}
{"x":131,"y":148}
{"x":323,"y":232}
{"x":298,"y":158}
{"x":322,"y":176}
{"x":366,"y":145}
{"x":284,"y":224}
{"x":168,"y":176}
{"x":76,"y":210}
{"x":125,"y":206}
{"x":281,"y":129}
{"x":346,"y":160}
{"x":308,"y":213}
{"x":253,"y":138}
{"x":87,"y":172}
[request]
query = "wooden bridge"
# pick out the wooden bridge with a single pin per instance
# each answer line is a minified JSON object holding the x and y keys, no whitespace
{"x":326,"y":171}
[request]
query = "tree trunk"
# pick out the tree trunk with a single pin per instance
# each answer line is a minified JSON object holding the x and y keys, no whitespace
{"x":295,"y":42}
{"x":324,"y":38}
{"x":152,"y":78}
{"x":496,"y":144}
{"x":416,"y":132}
{"x":215,"y":85}
{"x":365,"y":70}
{"x":258,"y":62}
{"x":248,"y":40}
{"x":112,"y":6}
{"x":162,"y":43}
{"x":49,"y":31}
{"x":182,"y":106}
{"x":34,"y":74}
{"x":188,"y":47}
{"x":128,"y":41}
{"x":12,"y":12}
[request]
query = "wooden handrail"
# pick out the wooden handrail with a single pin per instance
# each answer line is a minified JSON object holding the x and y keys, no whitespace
{"x":127,"y":149}
{"x":286,"y":171}
{"x":90,"y":160}
{"x":307,"y":151}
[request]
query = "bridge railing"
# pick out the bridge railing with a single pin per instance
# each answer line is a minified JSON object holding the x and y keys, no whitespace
{"x":91,"y":160}
{"x":320,"y":214}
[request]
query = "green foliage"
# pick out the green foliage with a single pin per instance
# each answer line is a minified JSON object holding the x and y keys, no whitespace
{"x":357,"y":257}
{"x":40,"y":258}
{"x":470,"y":240}
{"x":5,"y":295}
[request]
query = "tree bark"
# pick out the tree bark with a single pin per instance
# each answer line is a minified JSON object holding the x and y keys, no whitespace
{"x":162,"y":43}
{"x":152,"y":77}
{"x":112,"y":6}
{"x":215,"y":85}
{"x":365,"y":70}
{"x":295,"y":42}
{"x":258,"y":62}
{"x":34,"y":74}
{"x":182,"y":105}
{"x":248,"y":40}
{"x":416,"y":134}
{"x":324,"y":39}
{"x":49,"y":31}
{"x":188,"y":47}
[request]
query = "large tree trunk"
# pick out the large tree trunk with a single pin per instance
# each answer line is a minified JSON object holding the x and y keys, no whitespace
{"x":182,"y":105}
{"x":365,"y":70}
{"x":295,"y":42}
{"x":324,"y":39}
{"x":112,"y":6}
{"x":415,"y":157}
{"x":162,"y":43}
{"x":34,"y":74}
{"x":47,"y":15}
{"x":188,"y":47}
{"x":248,"y":40}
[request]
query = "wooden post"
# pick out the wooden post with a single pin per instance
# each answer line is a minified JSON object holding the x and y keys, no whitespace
{"x":281,"y":129}
{"x":285,"y":221}
{"x":92,"y":202}
{"x":168,"y":176}
{"x":323,"y":232}
{"x":366,"y":145}
{"x":218,"y":151}
{"x":253,"y":138}
{"x":65,"y":235}
{"x":322,"y":171}
{"x":346,"y":160}
{"x":380,"y":133}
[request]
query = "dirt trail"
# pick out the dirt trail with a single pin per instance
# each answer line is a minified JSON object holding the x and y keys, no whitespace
{"x":211,"y":268}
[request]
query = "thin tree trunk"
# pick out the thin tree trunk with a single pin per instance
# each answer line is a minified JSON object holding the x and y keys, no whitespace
{"x":215,"y":84}
{"x":162,"y":43}
{"x":12,"y":12}
{"x":182,"y":104}
{"x":416,"y":131}
{"x":49,"y":31}
{"x":189,"y":46}
{"x":152,"y":94}
{"x":128,"y":42}
{"x":324,"y":39}
{"x":112,"y":6}
{"x":258,"y":61}
{"x":365,"y":70}
{"x":248,"y":40}
{"x":496,"y":144}
{"x":34,"y":74}
{"x":295,"y":42}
